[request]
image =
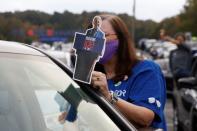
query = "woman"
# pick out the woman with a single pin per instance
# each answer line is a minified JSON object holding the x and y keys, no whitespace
{"x":136,"y":87}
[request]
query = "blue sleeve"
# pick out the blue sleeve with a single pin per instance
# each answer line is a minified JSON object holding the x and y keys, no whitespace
{"x":149,"y":91}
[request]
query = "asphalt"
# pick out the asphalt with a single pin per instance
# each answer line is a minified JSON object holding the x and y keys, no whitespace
{"x":169,"y":115}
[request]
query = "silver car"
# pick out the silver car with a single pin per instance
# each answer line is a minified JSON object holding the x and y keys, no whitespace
{"x":36,"y":88}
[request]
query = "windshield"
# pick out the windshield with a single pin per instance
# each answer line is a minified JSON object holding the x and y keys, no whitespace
{"x":29,"y":98}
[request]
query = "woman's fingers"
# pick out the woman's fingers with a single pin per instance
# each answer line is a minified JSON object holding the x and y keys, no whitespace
{"x":97,"y":74}
{"x":62,"y":116}
{"x":95,"y":79}
{"x":99,"y":82}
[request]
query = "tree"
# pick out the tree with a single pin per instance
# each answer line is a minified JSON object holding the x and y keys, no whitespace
{"x":189,"y":17}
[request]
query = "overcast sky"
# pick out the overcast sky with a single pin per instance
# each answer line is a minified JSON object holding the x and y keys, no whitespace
{"x":145,"y":9}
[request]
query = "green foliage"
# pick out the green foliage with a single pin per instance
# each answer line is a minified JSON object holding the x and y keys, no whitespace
{"x":184,"y":22}
{"x":67,"y":21}
{"x":189,"y":17}
{"x":61,"y":21}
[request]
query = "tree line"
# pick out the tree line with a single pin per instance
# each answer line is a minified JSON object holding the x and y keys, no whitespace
{"x":183,"y":22}
{"x":15,"y":25}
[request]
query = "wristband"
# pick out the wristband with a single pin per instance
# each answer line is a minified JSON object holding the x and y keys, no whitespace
{"x":114,"y":98}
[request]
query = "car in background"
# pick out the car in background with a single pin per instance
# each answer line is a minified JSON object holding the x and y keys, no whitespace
{"x":185,"y":108}
{"x":59,"y":50}
{"x":35,"y":89}
{"x":145,"y":44}
{"x":62,"y":56}
{"x":184,"y":70}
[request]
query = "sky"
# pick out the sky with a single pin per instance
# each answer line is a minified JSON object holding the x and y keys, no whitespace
{"x":156,"y":10}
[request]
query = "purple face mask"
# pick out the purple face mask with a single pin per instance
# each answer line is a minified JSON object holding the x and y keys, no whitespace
{"x":110,"y":49}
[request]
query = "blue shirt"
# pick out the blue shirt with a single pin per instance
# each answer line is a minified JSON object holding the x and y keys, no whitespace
{"x":145,"y":87}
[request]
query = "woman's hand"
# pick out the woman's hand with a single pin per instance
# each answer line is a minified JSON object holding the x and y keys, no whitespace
{"x":99,"y":81}
{"x":61,"y":117}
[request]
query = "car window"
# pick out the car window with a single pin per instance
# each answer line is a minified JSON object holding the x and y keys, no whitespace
{"x":34,"y":92}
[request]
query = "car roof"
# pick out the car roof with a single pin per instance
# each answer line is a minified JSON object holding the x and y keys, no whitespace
{"x":18,"y":48}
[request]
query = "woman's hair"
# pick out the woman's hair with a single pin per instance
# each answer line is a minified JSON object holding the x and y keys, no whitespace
{"x":126,"y":54}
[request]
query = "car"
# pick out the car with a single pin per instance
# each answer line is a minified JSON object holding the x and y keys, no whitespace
{"x":188,"y":96}
{"x":184,"y":70}
{"x":186,"y":104}
{"x":62,"y":56}
{"x":36,"y":88}
{"x":145,"y":44}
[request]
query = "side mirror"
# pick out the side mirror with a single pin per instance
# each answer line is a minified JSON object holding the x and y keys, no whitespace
{"x":187,"y":82}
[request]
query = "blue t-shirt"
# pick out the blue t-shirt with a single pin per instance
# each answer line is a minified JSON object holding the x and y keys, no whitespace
{"x":145,"y":87}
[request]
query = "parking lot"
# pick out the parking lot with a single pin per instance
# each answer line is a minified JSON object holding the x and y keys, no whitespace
{"x":169,"y":115}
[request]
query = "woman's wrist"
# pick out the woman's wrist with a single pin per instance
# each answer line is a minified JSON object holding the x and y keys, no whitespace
{"x":112,"y":98}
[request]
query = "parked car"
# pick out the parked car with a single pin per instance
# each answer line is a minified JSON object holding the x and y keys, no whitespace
{"x":184,"y":71}
{"x":62,"y":56}
{"x":187,"y":106}
{"x":145,"y":44}
{"x":35,"y":88}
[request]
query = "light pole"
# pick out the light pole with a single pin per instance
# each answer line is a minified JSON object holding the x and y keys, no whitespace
{"x":133,"y":21}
